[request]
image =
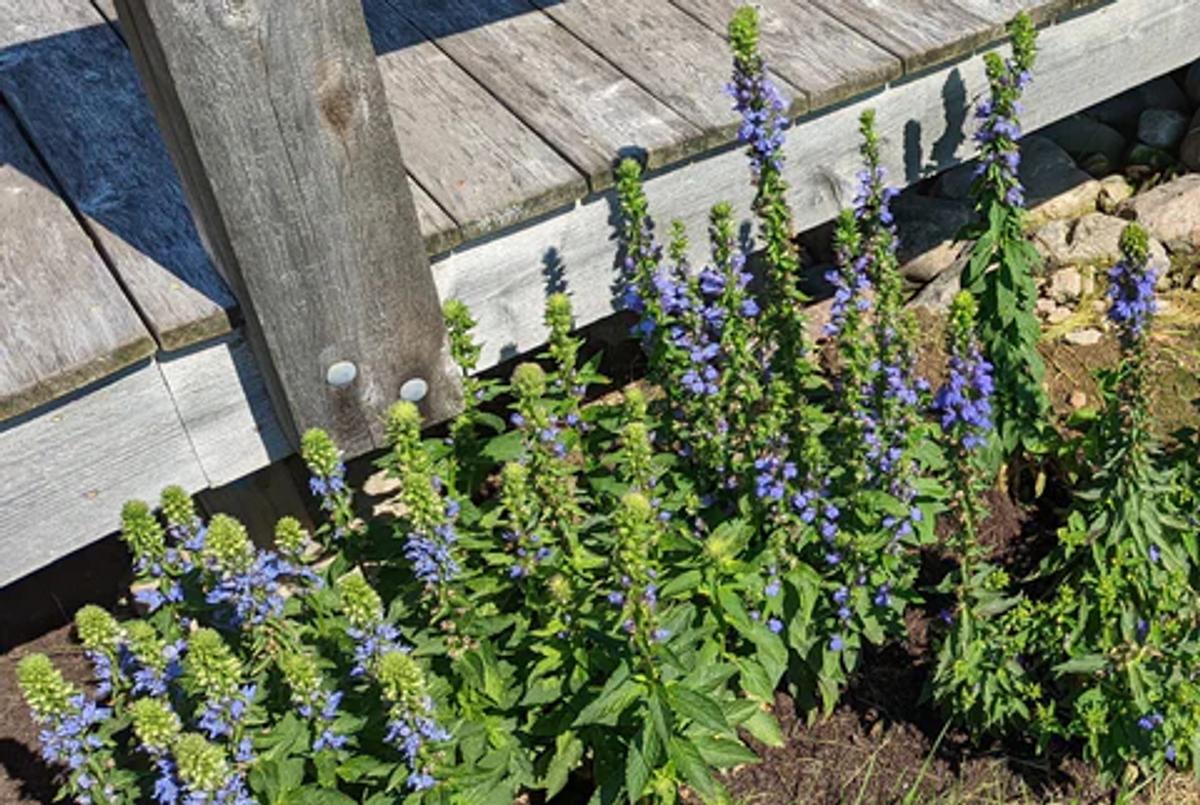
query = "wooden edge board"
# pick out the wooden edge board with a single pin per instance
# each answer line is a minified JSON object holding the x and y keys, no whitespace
{"x":66,"y":472}
{"x":925,"y":126}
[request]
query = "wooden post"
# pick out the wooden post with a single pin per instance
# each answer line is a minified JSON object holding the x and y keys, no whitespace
{"x":275,"y":115}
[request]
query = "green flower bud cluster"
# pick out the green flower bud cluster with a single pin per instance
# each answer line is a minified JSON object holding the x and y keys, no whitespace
{"x":142,"y":532}
{"x":228,"y":545}
{"x":637,"y":455}
{"x":97,"y":629}
{"x":146,"y":644}
{"x":361,"y":605}
{"x":459,"y":324}
{"x":320,"y":453}
{"x":202,"y":765}
{"x":178,"y":507}
{"x":563,"y":348}
{"x":302,"y":676}
{"x":211,"y":669}
{"x":403,"y":682}
{"x":404,"y":433}
{"x":43,"y":686}
{"x":529,"y":381}
{"x":155,"y":724}
{"x":290,"y":536}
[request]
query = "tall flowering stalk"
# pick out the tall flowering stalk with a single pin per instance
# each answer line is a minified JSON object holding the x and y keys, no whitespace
{"x":312,"y":699}
{"x":1003,"y":261}
{"x":411,"y":728}
{"x":68,"y":729}
{"x":635,"y":576}
{"x":764,"y":122}
{"x":327,"y":482}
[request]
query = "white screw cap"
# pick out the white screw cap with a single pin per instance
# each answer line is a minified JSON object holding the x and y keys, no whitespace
{"x":414,"y":390}
{"x":341,"y":374}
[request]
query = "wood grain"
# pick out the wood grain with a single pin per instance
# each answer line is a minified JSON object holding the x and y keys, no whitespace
{"x":70,"y":82}
{"x":921,"y":32}
{"x":64,"y":321}
{"x":485,"y":167}
{"x":440,"y":231}
{"x":677,"y":59}
{"x":1042,"y":11}
{"x":299,"y":184}
{"x":925,"y":129}
{"x":65,"y":473}
{"x":812,"y":50}
{"x":584,"y":107}
{"x":224,"y":406}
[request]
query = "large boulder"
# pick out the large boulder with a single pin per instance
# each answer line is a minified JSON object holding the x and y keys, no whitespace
{"x":1083,"y":137}
{"x":1162,"y":128}
{"x":1192,"y":82}
{"x":1054,"y":186}
{"x":1123,"y":111}
{"x":1189,"y":152}
{"x":1171,"y":211}
{"x":928,"y":227}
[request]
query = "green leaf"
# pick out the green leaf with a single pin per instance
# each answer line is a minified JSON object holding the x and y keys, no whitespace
{"x":763,"y":726}
{"x":506,"y":447}
{"x":1087,"y":664}
{"x":567,"y":755}
{"x":691,"y":766}
{"x":620,"y":692}
{"x":698,"y":707}
{"x":723,"y":753}
{"x":637,"y":773}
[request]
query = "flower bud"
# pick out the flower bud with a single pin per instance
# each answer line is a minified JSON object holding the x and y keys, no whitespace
{"x":211,"y":669}
{"x":43,"y":686}
{"x":141,"y":532}
{"x":360,"y":603}
{"x":154,"y":723}
{"x":404,"y":425}
{"x":97,"y":629}
{"x":290,"y":536}
{"x":529,"y":380}
{"x":402,"y":680}
{"x":228,"y":544}
{"x":320,"y":453}
{"x":177,"y":507}
{"x":202,"y":765}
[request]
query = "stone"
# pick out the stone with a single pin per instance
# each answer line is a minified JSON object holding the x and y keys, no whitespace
{"x":1078,"y":399}
{"x":940,"y":292}
{"x":1113,"y":190}
{"x":1148,"y":156}
{"x":1097,"y":165}
{"x":927,"y":229}
{"x":1170,"y":211}
{"x":1045,"y":306}
{"x":1054,"y":186}
{"x":956,"y":182}
{"x":1090,"y":240}
{"x":1066,"y":285}
{"x":1189,"y":150}
{"x":1058,"y":315}
{"x":1122,"y":111}
{"x":1196,"y":283}
{"x":1082,"y":136}
{"x":1053,"y":242}
{"x":1192,"y":82}
{"x":1162,"y":128}
{"x":1087,"y":337}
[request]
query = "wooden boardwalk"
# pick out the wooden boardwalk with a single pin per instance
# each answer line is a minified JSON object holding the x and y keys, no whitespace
{"x":122,"y":363}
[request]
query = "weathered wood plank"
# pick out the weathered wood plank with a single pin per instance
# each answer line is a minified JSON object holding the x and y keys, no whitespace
{"x":452,"y":130}
{"x":925,"y":128}
{"x":64,"y":321}
{"x":439,"y":229}
{"x":66,"y":472}
{"x":582,"y":105}
{"x":260,"y":500}
{"x":921,"y":32}
{"x":812,"y":50}
{"x":69,"y":80}
{"x":675,"y":57}
{"x":279,"y":116}
{"x":1042,"y":11}
{"x":223,"y":404}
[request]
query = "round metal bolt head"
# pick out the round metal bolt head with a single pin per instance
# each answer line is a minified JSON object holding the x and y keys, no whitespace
{"x":414,"y":390}
{"x":341,"y":374}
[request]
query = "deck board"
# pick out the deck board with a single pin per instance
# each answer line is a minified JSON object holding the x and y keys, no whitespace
{"x":812,"y":50}
{"x":72,"y":85}
{"x":921,"y":32}
{"x":672,"y":55}
{"x":589,"y":111}
{"x":485,"y":168}
{"x":64,"y":321}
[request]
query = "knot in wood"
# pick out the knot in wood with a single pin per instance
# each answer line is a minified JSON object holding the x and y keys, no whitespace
{"x":339,"y":99}
{"x":237,"y":13}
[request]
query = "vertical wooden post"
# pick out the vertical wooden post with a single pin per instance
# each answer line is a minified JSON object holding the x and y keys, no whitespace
{"x":275,"y":115}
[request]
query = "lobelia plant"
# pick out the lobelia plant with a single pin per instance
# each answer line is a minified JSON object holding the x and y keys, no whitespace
{"x":1003,"y":261}
{"x":613,"y":591}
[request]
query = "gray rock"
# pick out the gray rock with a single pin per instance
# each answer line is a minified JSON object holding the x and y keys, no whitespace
{"x":1113,"y":190}
{"x":956,"y":183}
{"x":1122,"y":112}
{"x":1162,"y":128}
{"x":1148,"y":156}
{"x":1087,"y":337}
{"x":1192,"y":82}
{"x":1054,"y":186}
{"x":1066,"y":285}
{"x":1082,"y":136}
{"x":1189,"y":151}
{"x":927,"y":227}
{"x":1096,"y":239}
{"x":1058,"y":315}
{"x":940,"y":292}
{"x":1170,"y":211}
